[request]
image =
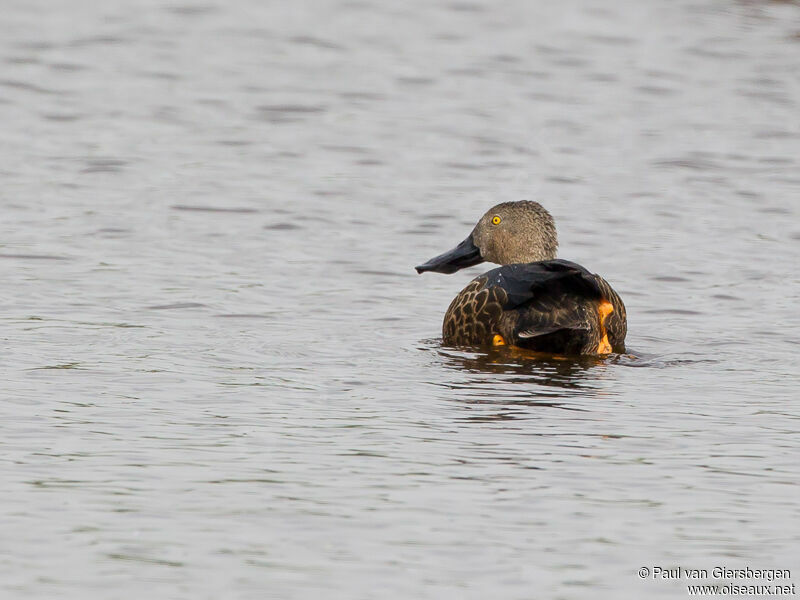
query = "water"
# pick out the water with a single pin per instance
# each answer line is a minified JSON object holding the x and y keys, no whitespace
{"x":223,"y":378}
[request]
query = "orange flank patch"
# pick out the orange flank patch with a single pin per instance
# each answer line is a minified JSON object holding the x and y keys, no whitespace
{"x":604,"y":347}
{"x":604,"y":309}
{"x":498,"y":340}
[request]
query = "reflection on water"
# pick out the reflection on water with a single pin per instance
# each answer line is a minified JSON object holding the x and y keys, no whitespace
{"x":511,"y":379}
{"x":516,"y":367}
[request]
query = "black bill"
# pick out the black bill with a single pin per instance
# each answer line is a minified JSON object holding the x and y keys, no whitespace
{"x":464,"y":255}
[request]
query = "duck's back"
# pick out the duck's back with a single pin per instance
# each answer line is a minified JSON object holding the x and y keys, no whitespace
{"x":549,"y":306}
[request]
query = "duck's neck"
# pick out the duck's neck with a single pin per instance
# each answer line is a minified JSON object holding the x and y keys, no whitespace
{"x":539,"y":252}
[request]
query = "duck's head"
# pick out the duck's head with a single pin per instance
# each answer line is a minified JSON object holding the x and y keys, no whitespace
{"x":509,"y":233}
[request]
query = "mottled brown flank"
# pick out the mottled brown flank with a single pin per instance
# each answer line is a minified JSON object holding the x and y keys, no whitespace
{"x":473,"y":316}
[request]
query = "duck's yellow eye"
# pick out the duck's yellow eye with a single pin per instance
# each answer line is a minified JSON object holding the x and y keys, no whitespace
{"x":496,"y":220}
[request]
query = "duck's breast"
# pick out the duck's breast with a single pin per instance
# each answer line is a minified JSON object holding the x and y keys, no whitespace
{"x":473,"y":316}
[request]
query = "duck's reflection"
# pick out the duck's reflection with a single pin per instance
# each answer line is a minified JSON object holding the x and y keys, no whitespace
{"x":544,"y":369}
{"x":517,"y":379}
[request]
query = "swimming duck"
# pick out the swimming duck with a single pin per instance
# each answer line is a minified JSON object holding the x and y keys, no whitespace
{"x":534,"y":301}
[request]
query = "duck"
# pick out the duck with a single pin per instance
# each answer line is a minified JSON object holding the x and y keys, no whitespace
{"x":533,"y":301}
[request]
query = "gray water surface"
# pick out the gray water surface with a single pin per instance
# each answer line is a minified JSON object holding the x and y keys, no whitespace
{"x":222,"y":377}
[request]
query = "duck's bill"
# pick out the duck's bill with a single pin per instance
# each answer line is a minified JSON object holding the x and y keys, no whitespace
{"x":464,"y":255}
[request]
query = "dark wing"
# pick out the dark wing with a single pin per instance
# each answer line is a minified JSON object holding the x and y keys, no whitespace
{"x":548,"y":302}
{"x":526,"y":282}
